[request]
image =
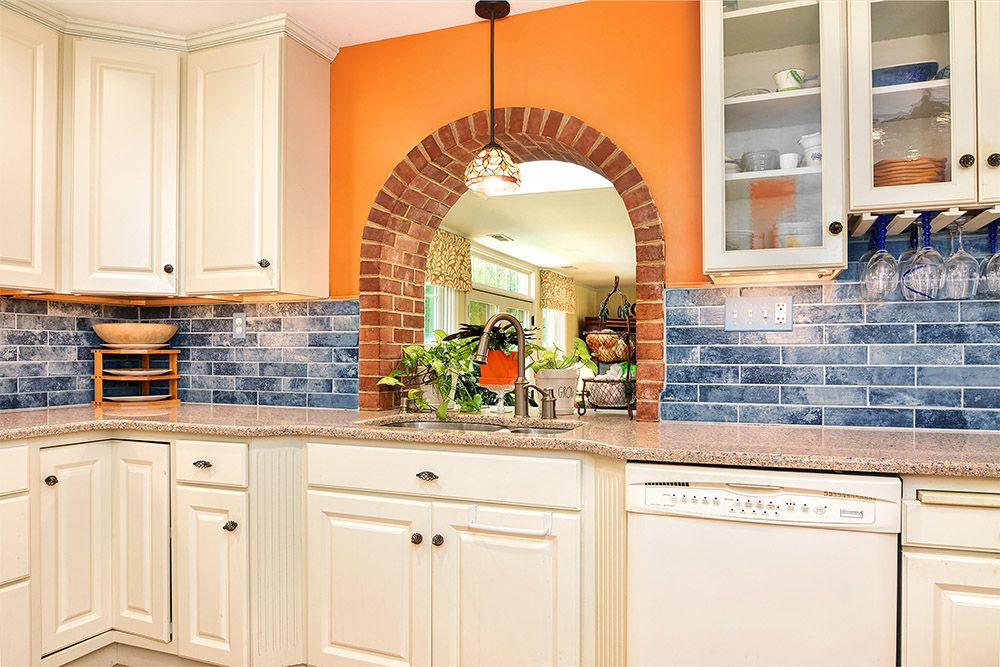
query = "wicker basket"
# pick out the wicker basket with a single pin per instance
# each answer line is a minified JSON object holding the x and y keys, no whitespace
{"x":609,"y":393}
{"x":608,"y":346}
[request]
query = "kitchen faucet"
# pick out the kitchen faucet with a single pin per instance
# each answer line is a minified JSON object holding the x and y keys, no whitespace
{"x":521,"y":385}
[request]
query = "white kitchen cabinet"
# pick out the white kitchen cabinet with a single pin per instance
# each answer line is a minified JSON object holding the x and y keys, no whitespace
{"x":257,"y":169}
{"x":212,"y":575}
{"x":29,"y":60}
{"x":141,"y":560}
{"x":370,"y":592}
{"x":76,"y":543}
{"x":15,"y":624}
{"x":988,"y":87}
{"x":760,"y":219}
{"x":121,"y":214}
{"x":506,"y":586}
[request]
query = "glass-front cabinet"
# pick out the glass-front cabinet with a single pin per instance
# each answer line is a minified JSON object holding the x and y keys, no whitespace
{"x":913,"y":103}
{"x":988,"y":86}
{"x":773,"y":138}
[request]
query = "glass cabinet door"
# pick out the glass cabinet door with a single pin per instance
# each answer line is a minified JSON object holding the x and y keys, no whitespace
{"x":773,"y":136}
{"x":912,"y":103}
{"x":988,"y":76}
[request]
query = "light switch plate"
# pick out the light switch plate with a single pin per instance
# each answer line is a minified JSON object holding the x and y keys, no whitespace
{"x":758,"y":313}
{"x":239,"y":326}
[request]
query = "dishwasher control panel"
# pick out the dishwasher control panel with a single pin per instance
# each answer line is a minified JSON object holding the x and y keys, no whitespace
{"x":778,"y":507}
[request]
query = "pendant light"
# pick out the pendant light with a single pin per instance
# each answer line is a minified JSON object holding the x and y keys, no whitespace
{"x":492,"y":171}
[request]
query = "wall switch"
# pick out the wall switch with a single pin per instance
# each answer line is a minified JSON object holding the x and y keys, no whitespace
{"x":239,"y":326}
{"x":758,"y":313}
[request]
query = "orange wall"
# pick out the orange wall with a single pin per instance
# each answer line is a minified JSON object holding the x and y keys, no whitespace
{"x":629,"y":69}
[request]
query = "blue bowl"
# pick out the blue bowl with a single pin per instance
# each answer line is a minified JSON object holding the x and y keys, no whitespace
{"x":899,"y":74}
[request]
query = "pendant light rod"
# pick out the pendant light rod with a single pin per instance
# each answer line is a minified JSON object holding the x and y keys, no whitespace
{"x":492,"y":10}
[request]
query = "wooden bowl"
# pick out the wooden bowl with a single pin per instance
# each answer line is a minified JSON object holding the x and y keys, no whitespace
{"x":135,"y":333}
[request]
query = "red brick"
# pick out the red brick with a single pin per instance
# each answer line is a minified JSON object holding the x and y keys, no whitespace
{"x":417,"y":159}
{"x":570,"y":129}
{"x":644,"y":214}
{"x":534,"y":122}
{"x":648,"y":252}
{"x":648,"y":411}
{"x":616,"y":166}
{"x":650,"y":233}
{"x":649,"y":292}
{"x":601,"y":151}
{"x":630,"y":178}
{"x":552,"y":123}
{"x":636,"y":197}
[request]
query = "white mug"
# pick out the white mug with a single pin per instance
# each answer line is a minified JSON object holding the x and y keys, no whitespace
{"x":789,"y":79}
{"x":789,"y":160}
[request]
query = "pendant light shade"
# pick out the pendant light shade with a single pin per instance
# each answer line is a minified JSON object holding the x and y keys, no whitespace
{"x":492,"y":171}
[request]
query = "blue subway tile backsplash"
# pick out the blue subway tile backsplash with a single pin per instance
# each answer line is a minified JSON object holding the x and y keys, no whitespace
{"x":294,"y":354}
{"x":845,"y":363}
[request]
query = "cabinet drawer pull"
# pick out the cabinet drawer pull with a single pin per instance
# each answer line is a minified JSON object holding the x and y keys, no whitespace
{"x":263,"y":263}
{"x":168,"y":268}
{"x":230,"y":526}
{"x":202,"y":464}
{"x":51,"y":480}
{"x":959,"y":498}
{"x":967,"y":160}
{"x":416,"y":538}
{"x":993,"y":160}
{"x":437,"y":540}
{"x":836,"y":227}
{"x":427,"y":476}
{"x":546,"y":528}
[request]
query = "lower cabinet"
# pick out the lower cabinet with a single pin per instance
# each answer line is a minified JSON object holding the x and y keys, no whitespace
{"x":15,"y":550}
{"x":212,"y":575}
{"x":15,"y":624}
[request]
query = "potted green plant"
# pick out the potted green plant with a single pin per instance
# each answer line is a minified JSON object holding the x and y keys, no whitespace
{"x":501,"y":358}
{"x":560,"y":372}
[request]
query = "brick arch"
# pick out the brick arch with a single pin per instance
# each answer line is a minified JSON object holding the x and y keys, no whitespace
{"x":426,"y":184}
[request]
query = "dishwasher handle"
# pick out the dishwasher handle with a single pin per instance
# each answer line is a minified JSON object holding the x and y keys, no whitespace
{"x":750,"y":487}
{"x":546,"y":528}
{"x":959,"y":498}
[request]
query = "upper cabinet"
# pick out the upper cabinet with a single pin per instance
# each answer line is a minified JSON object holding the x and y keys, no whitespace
{"x":121,"y":168}
{"x":773,"y":138}
{"x":258,"y":175}
{"x":29,"y":61}
{"x":988,"y":85}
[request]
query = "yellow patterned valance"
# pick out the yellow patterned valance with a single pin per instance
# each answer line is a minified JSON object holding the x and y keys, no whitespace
{"x":558,"y":291}
{"x":449,"y":263}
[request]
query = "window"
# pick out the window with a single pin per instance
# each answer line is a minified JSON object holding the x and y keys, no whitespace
{"x":553,"y":328}
{"x":496,"y":276}
{"x":440,"y":311}
{"x":500,"y":286}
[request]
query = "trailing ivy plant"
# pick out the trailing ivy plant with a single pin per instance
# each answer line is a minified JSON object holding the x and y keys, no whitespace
{"x":544,"y":359}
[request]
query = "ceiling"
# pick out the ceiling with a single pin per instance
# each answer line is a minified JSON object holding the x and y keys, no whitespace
{"x":341,"y":22}
{"x":588,"y":229}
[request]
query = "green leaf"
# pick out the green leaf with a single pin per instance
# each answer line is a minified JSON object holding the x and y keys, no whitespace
{"x":390,"y":381}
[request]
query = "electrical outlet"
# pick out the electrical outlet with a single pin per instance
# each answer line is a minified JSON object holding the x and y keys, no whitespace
{"x":239,"y":326}
{"x":758,"y":313}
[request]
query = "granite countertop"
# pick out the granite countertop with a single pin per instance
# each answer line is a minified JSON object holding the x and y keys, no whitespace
{"x":908,"y":451}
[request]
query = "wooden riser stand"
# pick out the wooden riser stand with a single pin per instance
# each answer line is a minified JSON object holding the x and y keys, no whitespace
{"x":100,"y":377}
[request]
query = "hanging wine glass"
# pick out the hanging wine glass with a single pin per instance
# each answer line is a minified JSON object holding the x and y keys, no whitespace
{"x":989,"y":283}
{"x":907,"y":255}
{"x":880,"y":274}
{"x":921,"y":280}
{"x":961,"y":273}
{"x":867,"y":254}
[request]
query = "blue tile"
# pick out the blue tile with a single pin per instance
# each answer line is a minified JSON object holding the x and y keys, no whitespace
{"x":345,"y":355}
{"x":779,"y":414}
{"x":32,"y":384}
{"x":964,"y":419}
{"x":870,"y":375}
{"x":335,"y":339}
{"x":75,"y":397}
{"x":817,"y":395}
{"x":704,"y":296}
{"x":886,"y":417}
{"x":981,"y":398}
{"x":338,"y":307}
{"x":213,"y":382}
{"x":235,"y":397}
{"x":345,"y":386}
{"x":257,"y":354}
{"x":283,"y":309}
{"x":25,"y":306}
{"x":902,"y":312}
{"x":702,"y":374}
{"x":212,"y":325}
{"x":263,"y":324}
{"x":982,"y":355}
{"x":333,"y":370}
{"x":682,"y":354}
{"x":838,"y":292}
{"x":800,"y":335}
{"x":284,"y":369}
{"x":800,"y":294}
{"x":781,"y":375}
{"x":699,"y":336}
{"x":313,"y":323}
{"x":307,"y":385}
{"x":674,"y":317}
{"x":738,"y":393}
{"x":235,"y":368}
{"x":744,"y":354}
{"x":686,"y":393}
{"x":307,"y":354}
{"x":981,"y":311}
{"x":346,"y":323}
{"x":958,"y":333}
{"x":21,"y":401}
{"x":892,"y":355}
{"x":827,"y":314}
{"x":9,"y":386}
{"x":865,"y":334}
{"x":212,"y":354}
{"x":258,"y":384}
{"x":915,"y":396}
{"x":699,"y":412}
{"x":711,"y":316}
{"x":284,"y":339}
{"x":46,"y":353}
{"x":21,"y":337}
{"x":195,"y":395}
{"x":342,"y":401}
{"x":21,"y":369}
{"x":959,"y":376}
{"x":291,"y":399}
{"x":826,"y":354}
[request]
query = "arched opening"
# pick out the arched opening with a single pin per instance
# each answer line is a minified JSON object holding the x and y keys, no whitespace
{"x":429,"y":181}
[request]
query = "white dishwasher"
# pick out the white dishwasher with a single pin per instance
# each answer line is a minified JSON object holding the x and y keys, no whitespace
{"x":750,"y":567}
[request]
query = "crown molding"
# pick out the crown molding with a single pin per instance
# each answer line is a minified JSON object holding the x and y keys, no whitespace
{"x":269,"y":25}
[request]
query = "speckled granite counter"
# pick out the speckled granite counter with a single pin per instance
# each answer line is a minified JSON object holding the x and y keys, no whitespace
{"x":913,"y":451}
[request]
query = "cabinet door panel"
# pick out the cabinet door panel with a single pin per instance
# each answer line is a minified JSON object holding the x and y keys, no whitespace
{"x":507,"y":586}
{"x":15,"y":624}
{"x":988,"y":27}
{"x":14,"y":527}
{"x":212,"y":570}
{"x":232,"y":168}
{"x":76,"y":539}
{"x":369,"y":601}
{"x":142,"y":539}
{"x":951,"y":610}
{"x":125,"y":145}
{"x":29,"y":54}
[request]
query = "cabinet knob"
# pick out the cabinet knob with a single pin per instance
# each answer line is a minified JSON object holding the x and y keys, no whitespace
{"x":51,"y":480}
{"x":202,"y":465}
{"x":263,"y":263}
{"x":168,"y":268}
{"x":416,"y":538}
{"x":437,"y":540}
{"x":836,"y":227}
{"x":993,"y":160}
{"x":229,"y":526}
{"x":967,"y":160}
{"x":427,"y":476}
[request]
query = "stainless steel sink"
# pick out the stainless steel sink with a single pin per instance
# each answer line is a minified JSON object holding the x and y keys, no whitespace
{"x":540,"y":430}
{"x":448,"y":426}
